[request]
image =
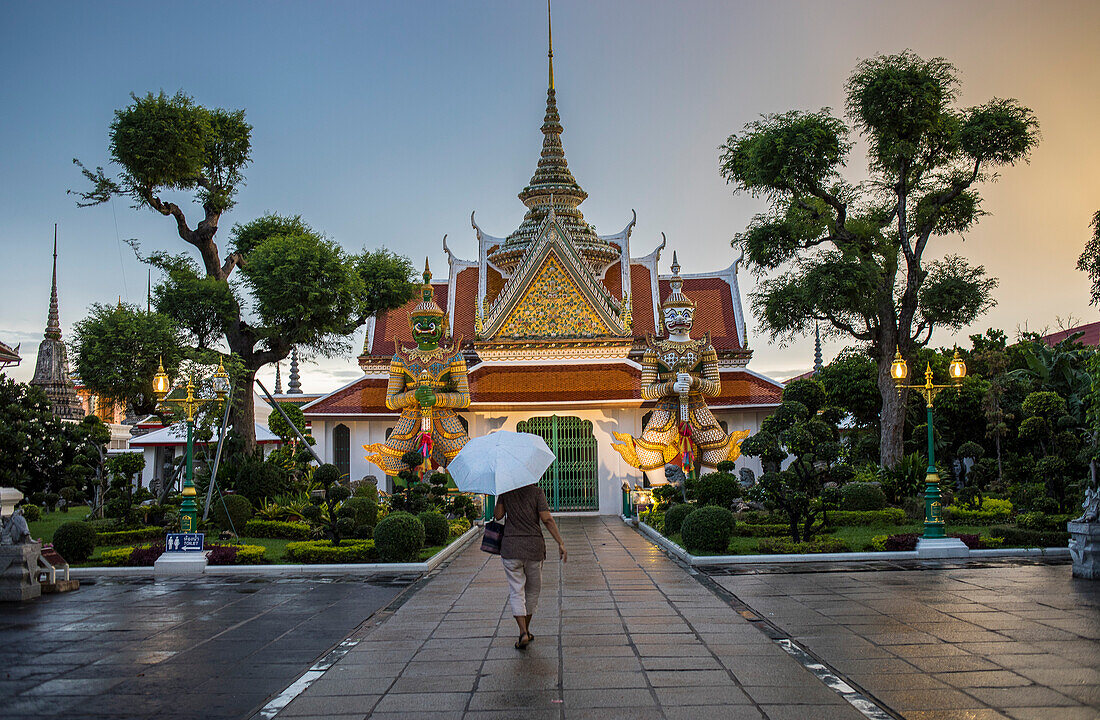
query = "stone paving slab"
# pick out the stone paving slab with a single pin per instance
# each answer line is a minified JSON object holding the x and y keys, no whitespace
{"x":621,"y":632}
{"x":1007,"y":641}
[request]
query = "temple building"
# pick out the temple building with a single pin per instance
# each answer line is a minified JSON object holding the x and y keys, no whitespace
{"x":51,"y":370}
{"x":552,"y":320}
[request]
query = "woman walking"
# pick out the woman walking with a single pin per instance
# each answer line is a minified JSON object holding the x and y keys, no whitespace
{"x":522,"y":549}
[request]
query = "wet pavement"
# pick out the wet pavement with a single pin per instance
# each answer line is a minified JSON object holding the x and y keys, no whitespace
{"x":204,"y":648}
{"x":1003,"y":640}
{"x":621,"y":632}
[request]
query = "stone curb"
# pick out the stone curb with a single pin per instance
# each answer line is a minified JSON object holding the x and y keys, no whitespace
{"x":705,"y":560}
{"x":298,"y":570}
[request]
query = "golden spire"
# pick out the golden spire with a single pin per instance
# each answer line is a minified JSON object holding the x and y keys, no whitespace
{"x":550,"y":35}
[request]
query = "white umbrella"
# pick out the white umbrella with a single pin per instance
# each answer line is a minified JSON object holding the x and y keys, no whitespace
{"x":501,"y":461}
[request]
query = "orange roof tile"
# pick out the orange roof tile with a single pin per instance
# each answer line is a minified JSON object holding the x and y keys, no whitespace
{"x":714,"y":311}
{"x":366,"y":395}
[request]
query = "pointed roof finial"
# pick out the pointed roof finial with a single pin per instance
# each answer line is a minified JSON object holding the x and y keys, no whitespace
{"x":550,"y":37}
{"x":676,"y":298}
{"x":53,"y":323}
{"x":817,"y":349}
{"x":278,"y":380}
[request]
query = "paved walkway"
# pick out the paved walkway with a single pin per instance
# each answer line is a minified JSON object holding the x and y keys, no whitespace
{"x":1005,"y":641}
{"x":621,"y":632}
{"x":204,"y":648}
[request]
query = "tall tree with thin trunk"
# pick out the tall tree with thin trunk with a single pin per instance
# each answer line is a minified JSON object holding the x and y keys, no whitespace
{"x":854,"y":255}
{"x":293,"y":287}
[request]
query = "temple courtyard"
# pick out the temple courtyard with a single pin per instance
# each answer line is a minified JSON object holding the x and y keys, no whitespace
{"x":622,"y":631}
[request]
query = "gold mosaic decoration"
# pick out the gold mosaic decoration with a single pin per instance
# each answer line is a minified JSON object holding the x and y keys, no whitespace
{"x":553,"y":307}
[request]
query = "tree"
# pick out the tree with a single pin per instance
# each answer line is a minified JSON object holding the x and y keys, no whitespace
{"x":295,"y":287}
{"x":117,"y":350}
{"x":803,"y":429}
{"x":852,"y":255}
{"x":1089,"y":262}
{"x":32,"y":439}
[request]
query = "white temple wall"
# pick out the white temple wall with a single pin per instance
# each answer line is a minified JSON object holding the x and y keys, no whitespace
{"x":612,"y":470}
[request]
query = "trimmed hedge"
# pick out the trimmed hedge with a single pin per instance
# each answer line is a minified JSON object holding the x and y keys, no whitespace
{"x":436,"y":529}
{"x":399,"y":537}
{"x":146,"y":554}
{"x":745,"y":530}
{"x":674,"y":517}
{"x":962,"y":516}
{"x":458,"y":526}
{"x":315,"y":552}
{"x":277,"y":529}
{"x":74,"y":541}
{"x":1030,"y":538}
{"x":1042,"y":521}
{"x":870,"y":518}
{"x":31,"y":512}
{"x":862,"y":496}
{"x":708,"y":529}
{"x":121,"y":537}
{"x":786,"y":546}
{"x":236,"y":554}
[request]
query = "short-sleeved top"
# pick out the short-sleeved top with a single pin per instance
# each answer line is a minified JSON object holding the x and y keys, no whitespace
{"x":523,"y":538}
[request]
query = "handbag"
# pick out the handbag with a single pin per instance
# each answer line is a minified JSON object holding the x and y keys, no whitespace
{"x":490,"y":539}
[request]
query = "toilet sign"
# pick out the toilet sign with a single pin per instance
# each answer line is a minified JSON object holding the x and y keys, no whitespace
{"x":183,"y":542}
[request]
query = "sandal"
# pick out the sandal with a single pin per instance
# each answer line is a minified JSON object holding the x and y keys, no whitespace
{"x":522,"y":642}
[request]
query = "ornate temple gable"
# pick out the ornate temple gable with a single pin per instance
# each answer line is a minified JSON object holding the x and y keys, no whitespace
{"x":553,"y":307}
{"x":594,"y":311}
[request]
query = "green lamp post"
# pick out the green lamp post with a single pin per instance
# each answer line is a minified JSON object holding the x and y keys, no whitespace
{"x":189,"y":509}
{"x":934,"y":527}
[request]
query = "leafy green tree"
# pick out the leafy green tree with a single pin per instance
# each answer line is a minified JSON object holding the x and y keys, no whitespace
{"x":853,"y":255}
{"x":807,"y":432}
{"x":1089,"y":262}
{"x":32,"y":439}
{"x":117,"y":350}
{"x":293,"y":286}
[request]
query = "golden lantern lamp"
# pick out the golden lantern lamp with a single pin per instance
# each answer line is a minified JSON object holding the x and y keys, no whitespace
{"x":958,"y":368}
{"x":898,"y":369}
{"x":161,"y":384}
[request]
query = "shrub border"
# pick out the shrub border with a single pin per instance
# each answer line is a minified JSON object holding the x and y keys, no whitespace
{"x":700,"y":560}
{"x":300,"y":570}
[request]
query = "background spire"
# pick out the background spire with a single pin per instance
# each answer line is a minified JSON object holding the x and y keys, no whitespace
{"x":53,"y":323}
{"x":550,"y":37}
{"x":278,"y":380}
{"x":294,"y":387}
{"x":817,"y":349}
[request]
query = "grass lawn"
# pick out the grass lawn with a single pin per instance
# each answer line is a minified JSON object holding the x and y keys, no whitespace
{"x":43,"y":528}
{"x":858,"y":537}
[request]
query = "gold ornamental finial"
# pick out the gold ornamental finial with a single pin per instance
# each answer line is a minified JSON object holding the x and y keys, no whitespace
{"x":550,"y":35}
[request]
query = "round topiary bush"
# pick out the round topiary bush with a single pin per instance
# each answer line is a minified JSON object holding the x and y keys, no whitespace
{"x":239,"y":512}
{"x":363,"y":510}
{"x":399,"y":537}
{"x":436,"y":528}
{"x":862,"y":496}
{"x":674,"y":517}
{"x":31,"y":512}
{"x":708,"y":529}
{"x":718,"y":488}
{"x":74,"y":541}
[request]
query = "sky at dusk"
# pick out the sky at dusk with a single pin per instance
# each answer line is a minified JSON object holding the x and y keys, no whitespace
{"x":386,"y":124}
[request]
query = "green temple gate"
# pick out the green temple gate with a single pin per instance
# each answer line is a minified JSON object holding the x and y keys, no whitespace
{"x":571,"y":482}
